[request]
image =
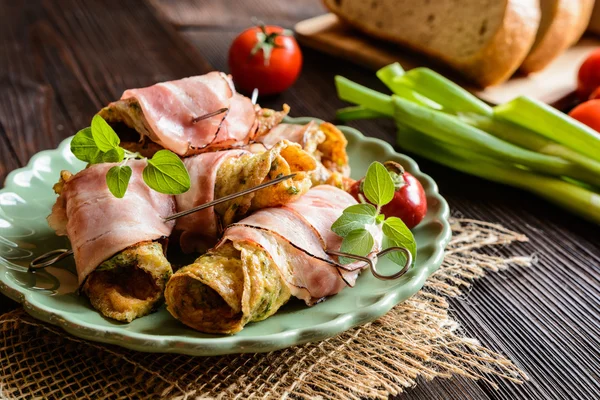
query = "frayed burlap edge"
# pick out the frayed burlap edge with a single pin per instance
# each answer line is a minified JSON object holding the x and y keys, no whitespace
{"x":417,"y":338}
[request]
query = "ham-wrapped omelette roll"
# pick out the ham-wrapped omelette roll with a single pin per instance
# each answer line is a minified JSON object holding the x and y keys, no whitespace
{"x":168,"y":114}
{"x":118,"y":244}
{"x":218,"y":174}
{"x":326,"y":143}
{"x":262,"y":261}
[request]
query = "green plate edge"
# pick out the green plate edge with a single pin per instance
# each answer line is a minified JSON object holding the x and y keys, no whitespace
{"x":264,"y":343}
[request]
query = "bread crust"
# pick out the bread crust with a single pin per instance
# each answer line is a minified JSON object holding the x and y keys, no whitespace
{"x":594,"y":24}
{"x":585,"y":14}
{"x":558,"y":37}
{"x":498,"y":59}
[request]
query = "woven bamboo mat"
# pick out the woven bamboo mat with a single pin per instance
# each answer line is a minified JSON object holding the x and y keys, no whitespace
{"x":417,"y":338}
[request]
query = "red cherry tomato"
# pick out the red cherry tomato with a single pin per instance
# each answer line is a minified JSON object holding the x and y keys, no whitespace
{"x":409,"y":202}
{"x":596,"y":94}
{"x":588,"y":113}
{"x":264,"y":57}
{"x":588,"y":78}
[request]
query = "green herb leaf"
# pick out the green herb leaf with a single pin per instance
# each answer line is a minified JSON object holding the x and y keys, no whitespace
{"x":396,"y":257}
{"x":115,"y":155}
{"x":359,"y":242}
{"x":378,"y":186}
{"x":354,"y":217}
{"x":104,"y":136}
{"x":166,"y":173}
{"x":396,"y":234}
{"x":117,"y":180}
{"x":84,"y":148}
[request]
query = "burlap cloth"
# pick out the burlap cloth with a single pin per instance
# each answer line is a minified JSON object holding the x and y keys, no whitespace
{"x":416,"y":338}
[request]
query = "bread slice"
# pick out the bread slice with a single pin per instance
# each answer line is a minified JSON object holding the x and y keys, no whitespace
{"x":594,"y":25}
{"x":485,"y":40}
{"x":558,"y":26}
{"x":585,"y":15}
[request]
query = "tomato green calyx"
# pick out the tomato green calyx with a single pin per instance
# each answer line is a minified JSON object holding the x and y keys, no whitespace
{"x":266,"y":42}
{"x":396,"y":173}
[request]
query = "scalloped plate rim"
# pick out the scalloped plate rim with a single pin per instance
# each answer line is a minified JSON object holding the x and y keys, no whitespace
{"x":237,"y":344}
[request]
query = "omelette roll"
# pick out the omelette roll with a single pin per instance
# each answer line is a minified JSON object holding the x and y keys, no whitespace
{"x":226,"y":288}
{"x":324,"y":141}
{"x":262,"y":261}
{"x":171,"y":114}
{"x":218,"y":174}
{"x":118,"y":244}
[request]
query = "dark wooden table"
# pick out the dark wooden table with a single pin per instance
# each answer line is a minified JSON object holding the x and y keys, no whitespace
{"x":62,"y":60}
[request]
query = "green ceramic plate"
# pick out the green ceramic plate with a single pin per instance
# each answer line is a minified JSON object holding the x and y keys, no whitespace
{"x":50,"y":295}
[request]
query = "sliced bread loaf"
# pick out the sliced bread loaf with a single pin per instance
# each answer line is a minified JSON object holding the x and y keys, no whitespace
{"x":594,"y":25}
{"x":558,"y":26}
{"x":585,"y":15}
{"x":485,"y":40}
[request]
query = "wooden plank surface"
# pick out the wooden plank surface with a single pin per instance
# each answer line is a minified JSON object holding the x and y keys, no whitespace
{"x":235,"y":14}
{"x":62,"y":60}
{"x":66,"y":58}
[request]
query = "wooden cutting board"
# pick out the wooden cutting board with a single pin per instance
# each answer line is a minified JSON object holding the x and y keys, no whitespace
{"x":552,"y":85}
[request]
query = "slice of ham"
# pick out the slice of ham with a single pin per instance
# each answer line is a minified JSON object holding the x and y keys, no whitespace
{"x":321,"y":207}
{"x":324,"y":141}
{"x":203,"y":224}
{"x":297,"y":236}
{"x":99,"y":225}
{"x":293,"y":132}
{"x":170,"y":108}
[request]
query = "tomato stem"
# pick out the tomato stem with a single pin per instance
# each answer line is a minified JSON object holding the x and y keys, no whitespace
{"x":267,"y":42}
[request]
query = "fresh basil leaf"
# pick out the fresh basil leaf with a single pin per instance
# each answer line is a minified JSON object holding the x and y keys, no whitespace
{"x":117,"y":180}
{"x":354,"y":217}
{"x":114,"y":155}
{"x":378,"y":186}
{"x":84,"y":148}
{"x":104,"y":135}
{"x":166,"y":173}
{"x":396,"y":234}
{"x":359,"y":242}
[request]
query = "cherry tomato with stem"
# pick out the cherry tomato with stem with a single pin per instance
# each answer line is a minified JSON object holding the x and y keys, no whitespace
{"x":409,"y":202}
{"x":267,"y":58}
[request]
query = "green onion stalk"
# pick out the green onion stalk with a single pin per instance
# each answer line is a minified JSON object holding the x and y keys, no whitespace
{"x":522,"y":143}
{"x":517,"y":121}
{"x":526,"y":138}
{"x":431,"y":87}
{"x":579,"y":200}
{"x":552,"y":124}
{"x":453,"y":131}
